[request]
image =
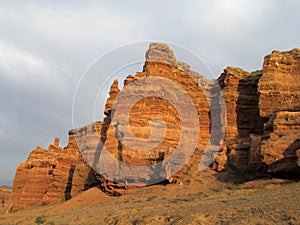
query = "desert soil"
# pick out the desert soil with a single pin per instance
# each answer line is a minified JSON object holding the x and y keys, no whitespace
{"x":271,"y":201}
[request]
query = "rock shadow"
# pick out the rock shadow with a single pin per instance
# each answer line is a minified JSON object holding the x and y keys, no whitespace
{"x":94,"y":179}
{"x":287,"y":167}
{"x":249,"y":120}
{"x":69,"y":183}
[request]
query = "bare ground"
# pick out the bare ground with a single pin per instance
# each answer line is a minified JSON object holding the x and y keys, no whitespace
{"x":206,"y":201}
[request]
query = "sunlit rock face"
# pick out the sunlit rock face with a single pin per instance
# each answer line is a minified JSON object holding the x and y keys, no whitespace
{"x":150,"y":123}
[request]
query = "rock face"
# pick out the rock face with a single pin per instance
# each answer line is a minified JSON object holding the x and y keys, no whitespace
{"x":279,"y":95}
{"x":86,"y":141}
{"x":281,"y":144}
{"x":160,"y":76}
{"x":5,"y":197}
{"x":45,"y":177}
{"x":239,"y":89}
{"x":262,"y":127}
{"x":279,"y":86}
{"x":160,"y":52}
{"x":258,"y":131}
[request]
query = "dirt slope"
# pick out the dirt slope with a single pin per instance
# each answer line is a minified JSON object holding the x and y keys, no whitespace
{"x":207,"y":201}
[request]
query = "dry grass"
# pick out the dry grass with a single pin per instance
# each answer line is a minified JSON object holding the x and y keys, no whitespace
{"x":257,"y":202}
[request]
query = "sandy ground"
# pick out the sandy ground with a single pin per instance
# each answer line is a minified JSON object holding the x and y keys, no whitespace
{"x":208,"y":201}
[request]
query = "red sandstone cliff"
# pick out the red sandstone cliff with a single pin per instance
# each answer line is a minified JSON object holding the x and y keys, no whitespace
{"x":45,"y":177}
{"x":279,"y":102}
{"x":243,"y":121}
{"x":262,"y":127}
{"x":5,"y":197}
{"x":279,"y":87}
{"x":261,"y":130}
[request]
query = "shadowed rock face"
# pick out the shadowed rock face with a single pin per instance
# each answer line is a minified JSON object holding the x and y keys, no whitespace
{"x":260,"y":138}
{"x":242,"y":115}
{"x":254,"y":102}
{"x":281,"y":144}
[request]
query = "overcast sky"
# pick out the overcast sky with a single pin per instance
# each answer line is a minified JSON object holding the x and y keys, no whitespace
{"x":46,"y":46}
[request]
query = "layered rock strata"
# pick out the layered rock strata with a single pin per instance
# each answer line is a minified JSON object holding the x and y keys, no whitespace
{"x":45,"y":177}
{"x":279,"y":87}
{"x":126,"y":146}
{"x":281,"y":144}
{"x":261,"y":130}
{"x":5,"y":197}
{"x":255,"y":105}
{"x":243,"y":121}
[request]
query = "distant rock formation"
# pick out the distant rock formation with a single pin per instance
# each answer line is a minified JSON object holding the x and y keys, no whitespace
{"x":5,"y":198}
{"x":262,"y":127}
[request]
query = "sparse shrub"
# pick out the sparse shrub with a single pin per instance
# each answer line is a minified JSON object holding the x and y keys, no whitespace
{"x":40,"y":220}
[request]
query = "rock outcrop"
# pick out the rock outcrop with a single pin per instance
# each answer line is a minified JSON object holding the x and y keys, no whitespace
{"x":262,"y":117}
{"x":281,"y":144}
{"x":279,"y":87}
{"x":160,"y":52}
{"x":279,"y":102}
{"x":239,"y":89}
{"x":86,"y":141}
{"x":131,"y":147}
{"x":45,"y":177}
{"x":162,"y":78}
{"x":5,"y":197}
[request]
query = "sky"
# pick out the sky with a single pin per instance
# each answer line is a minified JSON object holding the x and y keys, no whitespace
{"x":46,"y":47}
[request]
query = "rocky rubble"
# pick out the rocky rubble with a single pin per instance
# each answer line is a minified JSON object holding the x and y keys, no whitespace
{"x":261,"y":130}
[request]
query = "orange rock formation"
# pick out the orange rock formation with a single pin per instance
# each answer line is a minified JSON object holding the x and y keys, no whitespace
{"x":262,"y":127}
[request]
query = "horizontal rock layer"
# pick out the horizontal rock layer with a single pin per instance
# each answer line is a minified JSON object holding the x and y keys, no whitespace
{"x":281,"y":144}
{"x":5,"y":198}
{"x":261,"y":130}
{"x":45,"y":177}
{"x":279,"y":87}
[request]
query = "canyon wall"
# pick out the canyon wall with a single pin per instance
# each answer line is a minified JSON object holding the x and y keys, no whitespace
{"x":261,"y":136}
{"x":262,"y":128}
{"x":243,"y":121}
{"x":45,"y":177}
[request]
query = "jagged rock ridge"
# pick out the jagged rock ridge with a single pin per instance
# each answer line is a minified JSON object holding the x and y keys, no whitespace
{"x":261,"y":132}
